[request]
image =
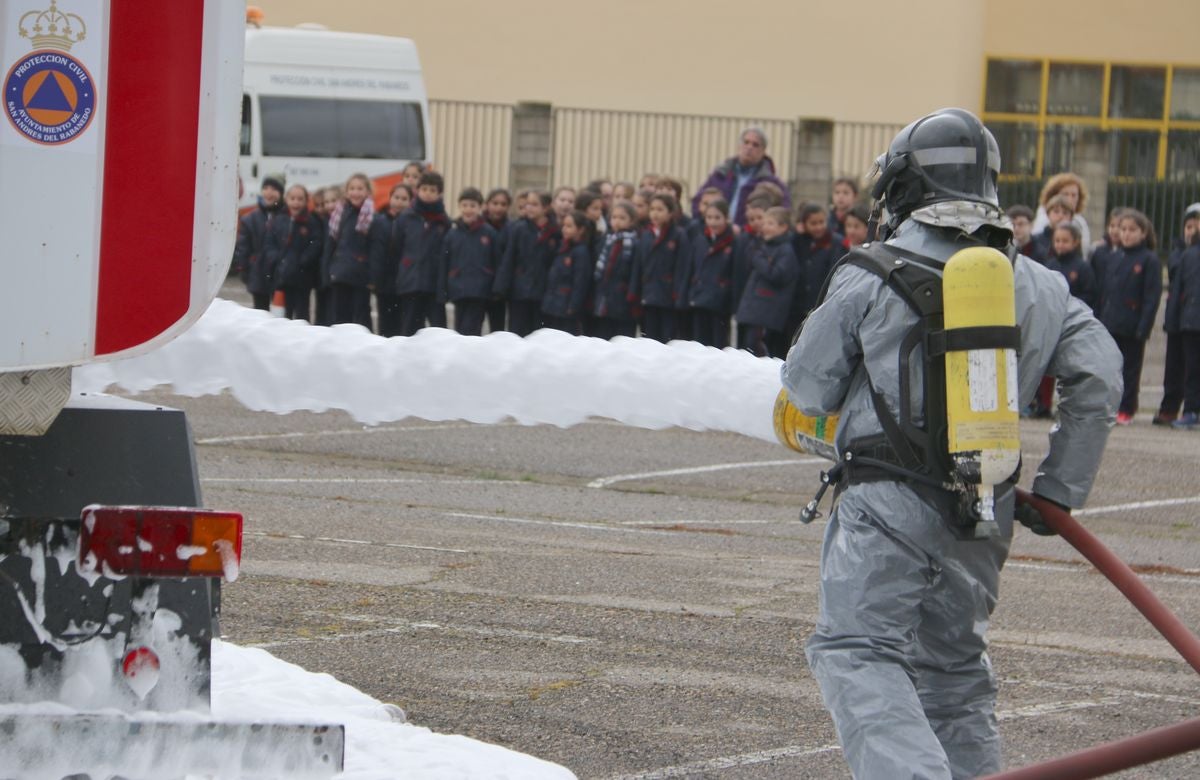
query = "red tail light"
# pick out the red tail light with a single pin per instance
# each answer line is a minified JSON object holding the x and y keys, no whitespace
{"x":160,"y":541}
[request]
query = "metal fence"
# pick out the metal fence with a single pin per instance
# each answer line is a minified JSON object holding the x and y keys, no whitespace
{"x":624,"y":145}
{"x":472,"y":144}
{"x":856,"y":146}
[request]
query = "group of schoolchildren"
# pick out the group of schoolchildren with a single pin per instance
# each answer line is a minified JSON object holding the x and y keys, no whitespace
{"x":607,"y":260}
{"x":1120,"y":278}
{"x":619,"y":260}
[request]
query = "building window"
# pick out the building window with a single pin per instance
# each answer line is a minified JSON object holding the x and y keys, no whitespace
{"x":1185,"y":94}
{"x":1137,"y":92}
{"x":1075,"y":90}
{"x":1013,"y":86}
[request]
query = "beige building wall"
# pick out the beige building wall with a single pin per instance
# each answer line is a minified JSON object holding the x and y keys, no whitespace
{"x":1153,"y":31}
{"x":770,"y":59}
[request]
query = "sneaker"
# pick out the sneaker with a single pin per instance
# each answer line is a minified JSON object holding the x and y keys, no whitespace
{"x":1187,"y":422}
{"x":1124,"y":418}
{"x":1163,"y":419}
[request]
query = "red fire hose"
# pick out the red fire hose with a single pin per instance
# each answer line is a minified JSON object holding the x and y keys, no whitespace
{"x":1144,"y":748}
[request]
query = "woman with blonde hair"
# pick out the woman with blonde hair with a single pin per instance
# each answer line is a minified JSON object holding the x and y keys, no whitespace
{"x":1074,"y":191}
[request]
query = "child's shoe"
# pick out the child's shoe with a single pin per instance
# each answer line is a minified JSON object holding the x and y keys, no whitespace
{"x":1187,"y":422}
{"x":1163,"y":419}
{"x":1124,"y":418}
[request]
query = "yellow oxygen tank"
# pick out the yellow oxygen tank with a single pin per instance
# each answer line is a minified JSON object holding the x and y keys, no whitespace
{"x":982,"y":420}
{"x":803,"y":433}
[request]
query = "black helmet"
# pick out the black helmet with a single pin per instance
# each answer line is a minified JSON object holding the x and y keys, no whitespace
{"x":946,"y":155}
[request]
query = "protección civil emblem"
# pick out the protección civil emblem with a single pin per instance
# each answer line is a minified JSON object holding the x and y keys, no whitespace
{"x":49,"y":96}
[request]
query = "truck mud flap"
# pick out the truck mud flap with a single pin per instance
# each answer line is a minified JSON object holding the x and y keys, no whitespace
{"x":137,"y":747}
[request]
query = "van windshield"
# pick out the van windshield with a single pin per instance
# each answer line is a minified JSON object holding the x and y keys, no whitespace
{"x":340,"y":128}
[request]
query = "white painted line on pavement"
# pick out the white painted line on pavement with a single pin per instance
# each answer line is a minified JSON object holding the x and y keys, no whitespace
{"x":411,"y":627}
{"x":706,"y":522}
{"x":363,"y":542}
{"x":361,"y":481}
{"x":1055,"y":707}
{"x":604,"y":482}
{"x":558,"y":523}
{"x":729,"y":762}
{"x":489,"y":631}
{"x":344,"y":432}
{"x":1102,"y":510}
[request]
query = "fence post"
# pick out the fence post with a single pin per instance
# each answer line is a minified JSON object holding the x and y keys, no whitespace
{"x":1090,"y":163}
{"x":812,"y":160}
{"x":532,"y":160}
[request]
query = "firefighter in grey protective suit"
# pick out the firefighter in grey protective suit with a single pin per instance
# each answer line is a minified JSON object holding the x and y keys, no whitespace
{"x":907,"y":585}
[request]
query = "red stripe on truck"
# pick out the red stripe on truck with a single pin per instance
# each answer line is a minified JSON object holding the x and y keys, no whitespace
{"x":152,"y":116}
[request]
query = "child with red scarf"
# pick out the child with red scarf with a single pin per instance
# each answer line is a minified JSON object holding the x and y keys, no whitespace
{"x":420,"y":232}
{"x":817,"y":250}
{"x":295,"y":240}
{"x":710,"y":291}
{"x":657,"y":262}
{"x":568,"y":281}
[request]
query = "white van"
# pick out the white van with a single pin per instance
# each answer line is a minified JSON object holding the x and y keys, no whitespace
{"x":319,"y":106}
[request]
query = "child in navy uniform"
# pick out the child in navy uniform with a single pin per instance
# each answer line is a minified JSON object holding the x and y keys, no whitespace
{"x":532,"y":243}
{"x":1066,"y":257}
{"x":329,"y":198}
{"x":612,"y":304}
{"x":1058,"y":211}
{"x":1128,"y":297}
{"x":385,"y":261}
{"x":1022,"y":224}
{"x":346,"y":253}
{"x":710,"y":293}
{"x":295,"y":240}
{"x":1068,"y":261}
{"x":855,"y":223}
{"x":817,"y":251}
{"x":249,"y":253}
{"x":497,"y":208}
{"x":657,"y":261}
{"x":767,"y":301}
{"x":845,"y":193}
{"x":469,"y":261}
{"x":747,"y":243}
{"x":568,"y":280}
{"x":1174,"y":368}
{"x":421,"y":230}
{"x":1188,"y":286}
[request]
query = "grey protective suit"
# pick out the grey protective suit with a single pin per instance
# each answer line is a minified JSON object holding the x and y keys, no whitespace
{"x":899,"y":648}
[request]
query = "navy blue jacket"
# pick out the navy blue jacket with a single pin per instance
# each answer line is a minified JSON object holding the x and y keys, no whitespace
{"x":383,"y":253}
{"x":1129,"y":292}
{"x":568,"y":281}
{"x":1171,"y":311}
{"x":745,"y":246}
{"x":294,"y":246}
{"x":1043,"y":246}
{"x":658,"y":261}
{"x":613,"y":276}
{"x":469,"y":261}
{"x":816,"y":259}
{"x":712,"y":263}
{"x":1078,"y":273}
{"x":527,"y":258}
{"x":419,"y":242}
{"x":767,"y":300}
{"x":347,"y":253}
{"x":1189,"y":289}
{"x":249,"y":253}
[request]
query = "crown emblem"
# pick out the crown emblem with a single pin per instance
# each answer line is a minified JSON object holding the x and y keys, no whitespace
{"x":52,"y":28}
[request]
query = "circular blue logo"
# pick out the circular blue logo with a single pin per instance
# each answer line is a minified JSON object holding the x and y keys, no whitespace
{"x":49,"y":97}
